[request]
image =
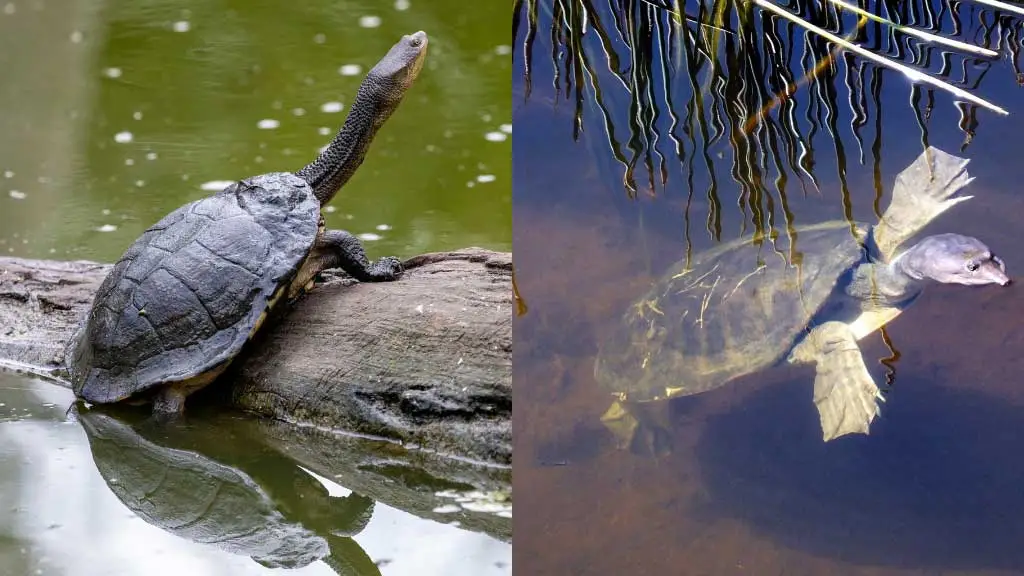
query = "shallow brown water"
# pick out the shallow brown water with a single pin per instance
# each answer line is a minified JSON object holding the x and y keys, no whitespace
{"x":749,"y":487}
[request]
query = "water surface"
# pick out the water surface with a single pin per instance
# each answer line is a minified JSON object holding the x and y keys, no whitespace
{"x":749,"y":487}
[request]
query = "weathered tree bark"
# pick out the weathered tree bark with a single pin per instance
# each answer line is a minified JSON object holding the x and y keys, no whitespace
{"x":425,"y":360}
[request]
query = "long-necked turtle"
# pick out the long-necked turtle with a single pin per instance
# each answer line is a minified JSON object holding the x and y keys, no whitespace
{"x":188,"y":294}
{"x":735,"y":310}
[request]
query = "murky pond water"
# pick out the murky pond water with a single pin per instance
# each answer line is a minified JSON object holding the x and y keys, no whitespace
{"x":91,"y":493}
{"x":654,"y":174}
{"x":113,"y":113}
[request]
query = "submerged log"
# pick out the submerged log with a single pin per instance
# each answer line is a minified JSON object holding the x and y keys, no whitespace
{"x":426,"y":360}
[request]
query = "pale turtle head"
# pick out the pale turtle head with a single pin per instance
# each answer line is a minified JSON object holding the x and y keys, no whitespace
{"x":954,"y":259}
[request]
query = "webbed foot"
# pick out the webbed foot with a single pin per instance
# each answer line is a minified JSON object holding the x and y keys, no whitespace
{"x":922,"y":191}
{"x":844,"y":392}
{"x":643,"y":430}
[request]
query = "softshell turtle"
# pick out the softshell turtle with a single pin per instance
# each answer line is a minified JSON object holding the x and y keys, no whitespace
{"x":182,"y":301}
{"x":736,"y":310}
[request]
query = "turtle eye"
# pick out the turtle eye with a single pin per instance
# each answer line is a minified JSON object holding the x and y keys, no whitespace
{"x":972,"y":266}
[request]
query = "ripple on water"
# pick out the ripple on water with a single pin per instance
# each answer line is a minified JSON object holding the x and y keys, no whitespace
{"x":268,"y":124}
{"x":16,"y":195}
{"x":107,"y":228}
{"x":182,"y":26}
{"x":216,"y":185}
{"x":369,"y":21}
{"x":123,"y":137}
{"x":331,"y":107}
{"x":495,"y":136}
{"x":369,"y":236}
{"x":401,"y":4}
{"x":350,"y":69}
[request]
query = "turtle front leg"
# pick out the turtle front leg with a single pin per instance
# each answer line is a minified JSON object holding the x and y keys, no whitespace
{"x":844,"y":391}
{"x":340,"y":249}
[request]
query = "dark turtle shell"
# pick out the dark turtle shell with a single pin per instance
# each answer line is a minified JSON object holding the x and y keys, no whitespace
{"x":738,"y":308}
{"x":191,"y":290}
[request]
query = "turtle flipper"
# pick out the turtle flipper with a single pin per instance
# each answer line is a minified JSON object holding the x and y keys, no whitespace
{"x":922,"y":191}
{"x":643,"y":430}
{"x":844,"y":392}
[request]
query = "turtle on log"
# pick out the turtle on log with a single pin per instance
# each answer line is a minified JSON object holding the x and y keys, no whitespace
{"x":735,"y":310}
{"x":187,"y":295}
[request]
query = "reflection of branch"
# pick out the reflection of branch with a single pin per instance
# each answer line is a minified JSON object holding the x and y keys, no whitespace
{"x":907,"y":71}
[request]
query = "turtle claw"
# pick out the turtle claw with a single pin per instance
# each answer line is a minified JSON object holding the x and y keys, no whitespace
{"x":386,"y":269}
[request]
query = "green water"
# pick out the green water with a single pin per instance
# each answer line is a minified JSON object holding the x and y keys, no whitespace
{"x":115,"y":113}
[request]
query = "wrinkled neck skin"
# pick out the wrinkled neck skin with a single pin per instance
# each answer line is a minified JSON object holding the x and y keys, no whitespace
{"x":893,"y":283}
{"x":336,"y":164}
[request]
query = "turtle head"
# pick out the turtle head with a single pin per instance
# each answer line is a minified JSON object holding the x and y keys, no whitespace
{"x":953,"y":259}
{"x":397,"y":70}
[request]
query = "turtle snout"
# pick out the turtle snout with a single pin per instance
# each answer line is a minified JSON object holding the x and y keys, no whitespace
{"x":994,"y":271}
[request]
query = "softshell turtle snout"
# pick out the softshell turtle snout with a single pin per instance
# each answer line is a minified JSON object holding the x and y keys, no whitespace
{"x":994,"y":271}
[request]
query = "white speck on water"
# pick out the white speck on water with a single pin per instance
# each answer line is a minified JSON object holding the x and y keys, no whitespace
{"x":137,"y":115}
{"x":106,"y":228}
{"x":184,"y":177}
{"x":331,"y":107}
{"x":350,"y":69}
{"x":76,"y":37}
{"x":447,"y":509}
{"x":448,"y":134}
{"x":258,"y":159}
{"x":330,"y":209}
{"x":430,"y":148}
{"x":322,"y":149}
{"x":123,"y":137}
{"x":506,"y":128}
{"x":112,"y":72}
{"x":8,"y":174}
{"x":419,"y":309}
{"x":485,"y":178}
{"x":470,"y":184}
{"x":105,"y":211}
{"x":182,"y":26}
{"x":140,"y":183}
{"x":277,"y":105}
{"x":459,"y":363}
{"x":216,"y":185}
{"x":129,"y":162}
{"x":369,"y":21}
{"x":150,"y":155}
{"x":324,"y":130}
{"x":16,"y":195}
{"x":495,"y":136}
{"x":369,"y":236}
{"x":503,"y":50}
{"x":485,"y":117}
{"x":401,"y":4}
{"x":383,"y":227}
{"x":268,"y":124}
{"x":10,"y":8}
{"x":320,"y":38}
{"x":299,"y":111}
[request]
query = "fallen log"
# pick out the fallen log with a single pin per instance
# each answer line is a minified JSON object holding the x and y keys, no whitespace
{"x":426,"y":360}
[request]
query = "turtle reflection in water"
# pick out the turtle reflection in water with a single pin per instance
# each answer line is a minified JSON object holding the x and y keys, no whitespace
{"x":200,"y":499}
{"x":187,"y":295}
{"x":732,"y":311}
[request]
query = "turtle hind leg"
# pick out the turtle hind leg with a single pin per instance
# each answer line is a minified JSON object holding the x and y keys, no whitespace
{"x":643,"y":430}
{"x":922,"y":191}
{"x":169,"y":404}
{"x":844,"y":392}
